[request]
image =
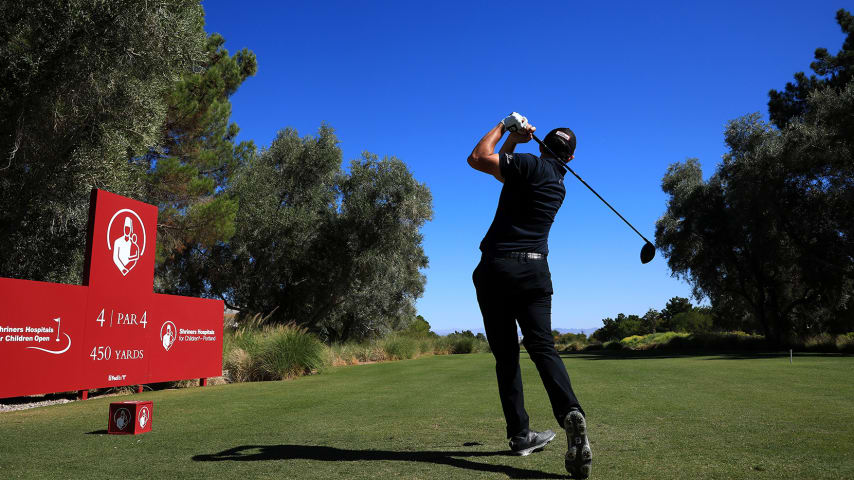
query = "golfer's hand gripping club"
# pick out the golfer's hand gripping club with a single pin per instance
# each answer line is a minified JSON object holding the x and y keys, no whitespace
{"x":514,"y":122}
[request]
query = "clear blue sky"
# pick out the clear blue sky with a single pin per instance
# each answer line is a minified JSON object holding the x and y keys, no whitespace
{"x":643,"y":85}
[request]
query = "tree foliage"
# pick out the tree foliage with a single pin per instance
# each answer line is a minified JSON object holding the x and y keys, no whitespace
{"x":695,"y":320}
{"x":339,"y":253}
{"x":419,"y":328}
{"x":620,"y":327}
{"x":190,"y":170}
{"x":287,"y":198}
{"x":834,"y":72}
{"x":652,"y":321}
{"x":770,"y":233}
{"x":132,"y":97}
{"x":569,"y":337}
{"x":674,"y":306}
{"x":82,"y":90}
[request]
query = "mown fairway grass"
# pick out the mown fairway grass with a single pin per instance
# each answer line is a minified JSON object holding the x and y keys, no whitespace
{"x":695,"y":417}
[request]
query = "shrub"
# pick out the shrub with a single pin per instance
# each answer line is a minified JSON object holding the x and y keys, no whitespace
{"x":240,"y":354}
{"x":442,"y":346}
{"x":719,"y":341}
{"x":399,"y":347}
{"x":652,"y":340}
{"x":425,"y":346}
{"x":633,"y":342}
{"x":845,"y":343}
{"x":374,"y":353}
{"x":571,"y":338}
{"x":729,"y":341}
{"x":819,"y":343}
{"x":825,"y":342}
{"x":271,"y":353}
{"x":289,"y":351}
{"x":461,"y":344}
{"x":239,"y":365}
{"x":355,"y":353}
{"x":693,"y":321}
{"x":257,"y":352}
{"x":571,"y":347}
{"x":419,"y":328}
{"x":340,"y":354}
{"x":457,"y":343}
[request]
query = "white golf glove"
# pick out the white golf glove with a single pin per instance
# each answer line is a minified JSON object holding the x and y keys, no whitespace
{"x":514,"y":122}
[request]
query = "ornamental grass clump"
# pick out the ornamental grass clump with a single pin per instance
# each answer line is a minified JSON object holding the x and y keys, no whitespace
{"x":240,"y":355}
{"x":351,"y":353}
{"x":257,"y":351}
{"x":288,"y":351}
{"x":341,"y":354}
{"x":425,"y":346}
{"x":457,"y":343}
{"x":239,"y":365}
{"x":399,"y":347}
{"x":461,"y":344}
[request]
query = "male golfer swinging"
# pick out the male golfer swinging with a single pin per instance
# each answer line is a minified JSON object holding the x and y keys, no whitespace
{"x":513,"y":283}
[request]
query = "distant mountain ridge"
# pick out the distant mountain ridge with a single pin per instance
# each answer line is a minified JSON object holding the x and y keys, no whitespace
{"x":586,"y":331}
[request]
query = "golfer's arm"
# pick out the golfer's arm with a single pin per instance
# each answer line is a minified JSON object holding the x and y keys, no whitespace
{"x":508,"y":147}
{"x":483,"y":158}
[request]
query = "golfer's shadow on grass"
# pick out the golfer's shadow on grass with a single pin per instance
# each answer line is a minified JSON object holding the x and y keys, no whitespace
{"x":249,"y":453}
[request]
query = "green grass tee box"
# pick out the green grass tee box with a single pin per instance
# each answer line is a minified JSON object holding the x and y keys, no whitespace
{"x":691,"y":417}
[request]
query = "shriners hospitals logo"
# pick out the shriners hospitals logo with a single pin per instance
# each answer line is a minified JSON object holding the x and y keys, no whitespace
{"x":168,"y":332}
{"x":121,"y":418}
{"x":144,"y":416}
{"x":127,"y":241}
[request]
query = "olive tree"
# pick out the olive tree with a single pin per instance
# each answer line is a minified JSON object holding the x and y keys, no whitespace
{"x":83,"y":88}
{"x":339,"y":253}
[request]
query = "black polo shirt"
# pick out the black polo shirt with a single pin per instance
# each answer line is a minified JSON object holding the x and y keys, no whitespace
{"x":532,"y":194}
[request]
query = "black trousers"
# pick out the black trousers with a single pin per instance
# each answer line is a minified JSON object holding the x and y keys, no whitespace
{"x":520,"y":290}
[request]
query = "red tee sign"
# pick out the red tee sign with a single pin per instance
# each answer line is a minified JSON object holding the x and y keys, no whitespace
{"x":113,"y":330}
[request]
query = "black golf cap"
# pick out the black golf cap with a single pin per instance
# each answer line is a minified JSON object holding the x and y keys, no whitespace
{"x":562,"y":142}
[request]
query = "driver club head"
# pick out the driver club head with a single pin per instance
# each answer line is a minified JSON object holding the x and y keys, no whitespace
{"x":647,"y":253}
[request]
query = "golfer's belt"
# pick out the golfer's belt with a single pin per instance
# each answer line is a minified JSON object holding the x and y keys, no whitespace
{"x":521,"y":256}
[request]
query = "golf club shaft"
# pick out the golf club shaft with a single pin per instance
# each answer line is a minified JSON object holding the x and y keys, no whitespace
{"x":588,"y":186}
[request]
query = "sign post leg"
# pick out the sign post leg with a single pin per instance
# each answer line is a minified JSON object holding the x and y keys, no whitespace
{"x":203,"y":382}
{"x":139,"y":389}
{"x":82,"y":394}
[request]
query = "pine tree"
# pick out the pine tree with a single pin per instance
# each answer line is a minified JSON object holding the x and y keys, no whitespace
{"x":834,"y":71}
{"x":189,"y":173}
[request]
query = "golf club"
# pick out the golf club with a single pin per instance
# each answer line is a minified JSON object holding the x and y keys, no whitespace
{"x":648,"y":250}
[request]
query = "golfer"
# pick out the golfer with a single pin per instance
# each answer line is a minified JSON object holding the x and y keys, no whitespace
{"x":513,"y":283}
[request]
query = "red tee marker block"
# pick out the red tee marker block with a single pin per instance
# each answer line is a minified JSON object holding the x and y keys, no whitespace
{"x":130,"y":418}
